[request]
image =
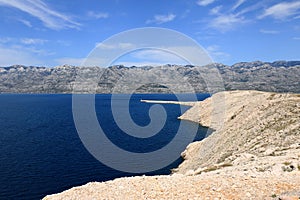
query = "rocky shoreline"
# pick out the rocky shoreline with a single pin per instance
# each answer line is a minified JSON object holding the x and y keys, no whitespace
{"x":254,"y":153}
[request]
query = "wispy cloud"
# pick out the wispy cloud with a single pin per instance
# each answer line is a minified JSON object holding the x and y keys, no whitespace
{"x":185,"y":13}
{"x":70,"y":61}
{"x":150,"y":57}
{"x":4,"y":40}
{"x":160,"y":19}
{"x":204,"y":2}
{"x":268,"y":31}
{"x":25,"y":22}
{"x":296,"y":38}
{"x":216,"y":10}
{"x":34,"y":41}
{"x":98,"y":15}
{"x":216,"y":53}
{"x":37,"y":8}
{"x":238,"y":4}
{"x":121,"y":45}
{"x":20,"y":41}
{"x":227,"y":22}
{"x":158,"y":56}
{"x":25,"y":51}
{"x":256,"y":7}
{"x":87,"y":62}
{"x":282,"y":10}
{"x":226,"y":18}
{"x":11,"y":56}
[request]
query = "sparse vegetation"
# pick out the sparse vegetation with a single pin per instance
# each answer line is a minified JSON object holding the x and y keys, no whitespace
{"x":261,"y":169}
{"x":226,"y":165}
{"x":288,"y":167}
{"x":286,"y":163}
{"x":274,"y":196}
{"x":211,"y":168}
{"x":271,"y":96}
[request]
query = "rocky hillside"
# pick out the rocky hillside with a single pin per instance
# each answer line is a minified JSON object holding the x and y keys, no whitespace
{"x":280,"y":76}
{"x":254,"y":153}
{"x":253,"y":125}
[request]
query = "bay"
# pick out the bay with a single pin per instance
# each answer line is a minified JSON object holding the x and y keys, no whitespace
{"x":41,"y":152}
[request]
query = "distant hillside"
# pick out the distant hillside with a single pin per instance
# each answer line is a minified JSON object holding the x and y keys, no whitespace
{"x":279,"y":76}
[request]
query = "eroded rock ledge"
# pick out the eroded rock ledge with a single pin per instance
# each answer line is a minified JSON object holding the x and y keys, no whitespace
{"x":254,"y":153}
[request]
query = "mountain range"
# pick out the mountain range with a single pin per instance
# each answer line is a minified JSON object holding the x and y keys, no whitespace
{"x":279,"y":76}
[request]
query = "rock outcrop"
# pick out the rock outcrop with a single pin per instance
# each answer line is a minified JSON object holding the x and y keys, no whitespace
{"x":280,"y":76}
{"x":254,"y":153}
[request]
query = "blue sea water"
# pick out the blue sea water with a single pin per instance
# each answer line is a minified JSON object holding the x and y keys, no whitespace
{"x":41,"y":152}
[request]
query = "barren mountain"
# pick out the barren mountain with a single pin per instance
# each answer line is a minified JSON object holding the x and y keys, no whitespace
{"x":280,"y":76}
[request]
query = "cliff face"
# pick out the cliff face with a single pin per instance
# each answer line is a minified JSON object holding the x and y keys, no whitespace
{"x":281,"y":76}
{"x":253,"y":153}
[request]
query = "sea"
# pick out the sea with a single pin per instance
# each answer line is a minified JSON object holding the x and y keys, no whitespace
{"x":41,"y":152}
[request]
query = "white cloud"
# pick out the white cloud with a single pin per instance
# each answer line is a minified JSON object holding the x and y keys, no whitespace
{"x":87,"y":62}
{"x":185,"y":13}
{"x":204,"y":2}
{"x":70,"y":61}
{"x":212,"y":48}
{"x":149,"y":57}
{"x":160,"y":19}
{"x":121,"y":45}
{"x":238,"y":4}
{"x":5,"y":40}
{"x":63,"y":42}
{"x":216,"y":54}
{"x":22,"y":51}
{"x":225,"y":23}
{"x":11,"y":56}
{"x":25,"y":22}
{"x":157,"y":56}
{"x":296,"y":38}
{"x":215,"y":10}
{"x":268,"y":31}
{"x":33,"y":41}
{"x":282,"y":10}
{"x":18,"y":42}
{"x":99,"y":15}
{"x":37,"y":8}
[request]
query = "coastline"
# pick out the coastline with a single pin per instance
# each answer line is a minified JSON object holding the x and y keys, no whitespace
{"x":253,"y":153}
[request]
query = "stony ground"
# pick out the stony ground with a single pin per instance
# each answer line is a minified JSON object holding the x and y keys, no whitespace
{"x":254,"y":153}
{"x":205,"y":186}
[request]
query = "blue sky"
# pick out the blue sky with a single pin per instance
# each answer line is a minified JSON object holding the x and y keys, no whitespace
{"x":56,"y":32}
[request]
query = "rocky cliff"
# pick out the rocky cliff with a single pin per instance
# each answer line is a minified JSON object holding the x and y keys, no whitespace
{"x":280,"y":76}
{"x":254,"y":153}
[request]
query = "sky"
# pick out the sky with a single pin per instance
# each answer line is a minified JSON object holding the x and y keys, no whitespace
{"x":55,"y":32}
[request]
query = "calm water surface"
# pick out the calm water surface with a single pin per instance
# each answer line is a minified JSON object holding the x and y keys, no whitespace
{"x":40,"y":150}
